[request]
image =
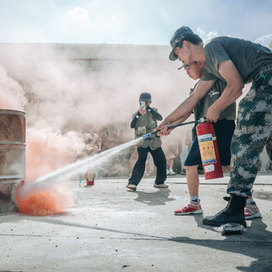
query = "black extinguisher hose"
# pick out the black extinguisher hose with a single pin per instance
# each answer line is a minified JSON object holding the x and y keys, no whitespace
{"x":201,"y":120}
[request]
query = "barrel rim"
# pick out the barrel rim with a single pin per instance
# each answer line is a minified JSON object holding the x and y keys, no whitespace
{"x":11,"y":143}
{"x":5,"y":111}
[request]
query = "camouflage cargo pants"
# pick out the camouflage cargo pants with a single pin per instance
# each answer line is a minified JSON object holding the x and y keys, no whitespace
{"x":254,"y":128}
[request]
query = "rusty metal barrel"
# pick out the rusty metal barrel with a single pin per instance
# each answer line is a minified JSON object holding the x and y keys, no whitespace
{"x":12,"y":156}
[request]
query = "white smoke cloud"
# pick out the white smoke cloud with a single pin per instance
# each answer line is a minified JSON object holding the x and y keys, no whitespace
{"x":265,"y":40}
{"x":79,"y":15}
{"x":206,"y":36}
{"x":12,"y":95}
{"x":88,"y":104}
{"x":83,"y":23}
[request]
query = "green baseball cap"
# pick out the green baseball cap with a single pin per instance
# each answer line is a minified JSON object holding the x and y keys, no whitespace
{"x":145,"y":97}
{"x":178,"y":36}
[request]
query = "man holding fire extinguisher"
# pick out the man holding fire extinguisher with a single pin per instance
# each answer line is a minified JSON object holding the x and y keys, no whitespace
{"x":236,"y":62}
{"x":224,"y":129}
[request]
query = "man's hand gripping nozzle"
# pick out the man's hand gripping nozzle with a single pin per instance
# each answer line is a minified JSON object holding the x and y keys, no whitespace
{"x":201,"y":120}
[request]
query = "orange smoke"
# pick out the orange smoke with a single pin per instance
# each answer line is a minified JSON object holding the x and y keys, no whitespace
{"x":46,"y":150}
{"x":43,"y":202}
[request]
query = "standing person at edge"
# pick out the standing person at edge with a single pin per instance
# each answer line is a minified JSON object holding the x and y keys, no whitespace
{"x":224,"y":129}
{"x":236,"y":62}
{"x":145,"y":121}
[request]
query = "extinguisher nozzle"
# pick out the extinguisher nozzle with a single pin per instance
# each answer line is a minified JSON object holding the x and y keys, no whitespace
{"x":146,"y":135}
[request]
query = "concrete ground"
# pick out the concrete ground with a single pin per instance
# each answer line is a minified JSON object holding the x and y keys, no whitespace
{"x":111,"y":229}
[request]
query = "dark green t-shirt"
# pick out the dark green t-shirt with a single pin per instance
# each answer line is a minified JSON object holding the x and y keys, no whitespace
{"x":213,"y":94}
{"x":248,"y":57}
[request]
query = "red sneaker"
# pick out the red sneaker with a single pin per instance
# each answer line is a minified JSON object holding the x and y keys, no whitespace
{"x":251,"y":211}
{"x":191,"y":208}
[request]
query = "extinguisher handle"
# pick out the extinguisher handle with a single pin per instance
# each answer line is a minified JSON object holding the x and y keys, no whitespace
{"x":182,"y":124}
{"x":201,"y":120}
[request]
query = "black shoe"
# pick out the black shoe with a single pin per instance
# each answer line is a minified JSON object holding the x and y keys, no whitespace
{"x":132,"y":187}
{"x":233,"y":213}
{"x":223,"y":218}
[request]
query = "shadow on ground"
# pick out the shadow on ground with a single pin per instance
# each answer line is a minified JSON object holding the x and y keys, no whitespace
{"x":154,"y":199}
{"x":256,"y":242}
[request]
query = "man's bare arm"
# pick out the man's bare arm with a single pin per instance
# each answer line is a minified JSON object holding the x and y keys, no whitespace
{"x":184,"y":110}
{"x":164,"y":131}
{"x":232,"y":91}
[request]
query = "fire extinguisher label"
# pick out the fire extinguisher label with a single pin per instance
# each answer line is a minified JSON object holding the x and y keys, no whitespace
{"x":205,"y":137}
{"x":206,"y":148}
{"x":209,"y":168}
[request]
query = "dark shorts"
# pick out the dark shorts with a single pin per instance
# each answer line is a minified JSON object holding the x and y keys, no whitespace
{"x":224,"y":130}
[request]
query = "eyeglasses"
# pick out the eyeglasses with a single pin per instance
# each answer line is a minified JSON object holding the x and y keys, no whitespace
{"x":185,"y":65}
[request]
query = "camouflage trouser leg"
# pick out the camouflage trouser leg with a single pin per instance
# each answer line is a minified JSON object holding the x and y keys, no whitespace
{"x":254,"y":126}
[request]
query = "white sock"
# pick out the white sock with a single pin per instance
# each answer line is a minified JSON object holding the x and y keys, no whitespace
{"x":194,"y":198}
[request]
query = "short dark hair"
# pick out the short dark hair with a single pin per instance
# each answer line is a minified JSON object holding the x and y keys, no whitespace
{"x":192,"y":38}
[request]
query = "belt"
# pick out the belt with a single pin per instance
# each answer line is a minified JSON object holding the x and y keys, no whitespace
{"x":263,"y":77}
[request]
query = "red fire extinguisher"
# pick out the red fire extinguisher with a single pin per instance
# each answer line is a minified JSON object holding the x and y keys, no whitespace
{"x":209,"y":151}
